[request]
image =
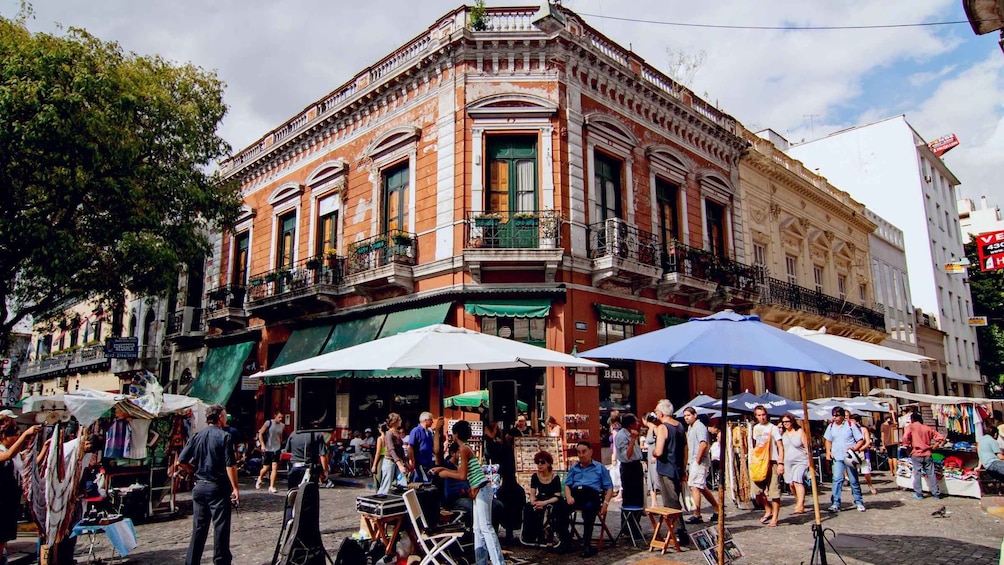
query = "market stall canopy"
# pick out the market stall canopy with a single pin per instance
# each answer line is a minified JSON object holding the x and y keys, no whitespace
{"x":88,"y":405}
{"x":929,"y":398}
{"x":220,"y":372}
{"x":855,"y":348}
{"x":742,"y":402}
{"x":476,"y":401}
{"x":432,"y":347}
{"x":821,"y":412}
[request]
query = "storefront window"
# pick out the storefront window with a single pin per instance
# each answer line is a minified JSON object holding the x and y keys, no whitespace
{"x":529,"y":382}
{"x":610,"y":332}
{"x":526,"y":330}
{"x":616,"y":393}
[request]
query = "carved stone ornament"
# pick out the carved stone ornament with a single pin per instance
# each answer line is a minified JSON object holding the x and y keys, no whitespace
{"x":828,"y":235}
{"x":759,"y":214}
{"x":775,"y":210}
{"x":852,"y":247}
{"x":804,"y":223}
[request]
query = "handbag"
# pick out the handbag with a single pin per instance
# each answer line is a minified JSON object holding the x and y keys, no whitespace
{"x":760,"y":463}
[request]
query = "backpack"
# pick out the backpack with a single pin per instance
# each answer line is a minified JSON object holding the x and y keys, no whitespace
{"x":351,"y":552}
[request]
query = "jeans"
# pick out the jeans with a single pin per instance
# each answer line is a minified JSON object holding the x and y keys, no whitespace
{"x":670,"y":491}
{"x":923,"y":465}
{"x":587,"y":501}
{"x":995,"y":469}
{"x":486,"y":541}
{"x":210,"y":502}
{"x":388,"y":472}
{"x":838,"y":482}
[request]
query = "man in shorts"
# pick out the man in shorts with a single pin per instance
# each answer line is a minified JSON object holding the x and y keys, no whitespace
{"x":768,"y":491}
{"x":698,"y":465}
{"x":270,"y":440}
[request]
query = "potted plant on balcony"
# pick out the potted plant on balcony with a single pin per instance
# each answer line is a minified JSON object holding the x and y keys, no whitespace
{"x":550,"y":224}
{"x":487,"y":219}
{"x":402,"y":239}
{"x":314,"y":263}
{"x":331,"y":258}
{"x":524,"y":219}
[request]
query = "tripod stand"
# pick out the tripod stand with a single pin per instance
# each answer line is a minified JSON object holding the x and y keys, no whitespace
{"x":300,"y":538}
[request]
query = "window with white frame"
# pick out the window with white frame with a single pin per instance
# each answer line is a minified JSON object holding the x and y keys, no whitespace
{"x":610,"y":332}
{"x":760,"y":255}
{"x":608,"y":185}
{"x":842,"y":286}
{"x":817,"y":278}
{"x":791,"y":268}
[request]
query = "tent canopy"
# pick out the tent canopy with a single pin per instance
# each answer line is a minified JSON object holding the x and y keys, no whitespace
{"x":476,"y":401}
{"x":856,"y":348}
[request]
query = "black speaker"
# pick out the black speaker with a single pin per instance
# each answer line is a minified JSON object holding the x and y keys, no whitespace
{"x":315,"y":404}
{"x":502,"y":401}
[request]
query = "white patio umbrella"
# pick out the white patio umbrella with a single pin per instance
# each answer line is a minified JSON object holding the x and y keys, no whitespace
{"x":856,"y":348}
{"x":439,"y":346}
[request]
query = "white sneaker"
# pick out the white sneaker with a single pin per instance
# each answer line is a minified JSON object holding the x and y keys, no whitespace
{"x":273,"y":491}
{"x":861,"y":507}
{"x":257,"y":483}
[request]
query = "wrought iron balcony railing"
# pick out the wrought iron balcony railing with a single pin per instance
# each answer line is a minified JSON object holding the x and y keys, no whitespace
{"x":797,"y":297}
{"x":394,"y":246}
{"x":81,"y":357}
{"x":701,"y":264}
{"x":513,"y":230}
{"x":176,"y":321}
{"x":301,"y":277}
{"x":226,"y":296}
{"x":615,"y":237}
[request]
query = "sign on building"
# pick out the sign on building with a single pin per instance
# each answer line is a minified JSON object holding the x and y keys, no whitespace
{"x":990,"y":247}
{"x":955,"y":268}
{"x":122,"y":348}
{"x":977,"y":320}
{"x":943,"y":144}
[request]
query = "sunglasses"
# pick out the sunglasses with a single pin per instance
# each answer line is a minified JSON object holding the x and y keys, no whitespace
{"x":785,"y":421}
{"x":541,"y":462}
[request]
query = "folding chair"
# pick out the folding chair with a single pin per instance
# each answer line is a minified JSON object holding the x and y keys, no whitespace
{"x":631,"y":524}
{"x":434,"y":541}
{"x":574,"y":520}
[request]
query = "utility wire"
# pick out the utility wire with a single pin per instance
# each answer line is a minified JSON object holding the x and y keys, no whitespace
{"x":775,"y":28}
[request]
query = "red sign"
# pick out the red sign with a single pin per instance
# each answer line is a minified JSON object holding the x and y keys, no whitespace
{"x":941,"y":145}
{"x":990,"y":246}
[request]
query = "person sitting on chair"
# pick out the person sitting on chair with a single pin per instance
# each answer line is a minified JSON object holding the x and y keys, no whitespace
{"x":546,"y":505}
{"x":991,"y":458}
{"x":588,"y":489}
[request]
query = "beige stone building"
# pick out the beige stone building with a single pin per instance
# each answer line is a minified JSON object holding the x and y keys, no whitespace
{"x":811,"y":239}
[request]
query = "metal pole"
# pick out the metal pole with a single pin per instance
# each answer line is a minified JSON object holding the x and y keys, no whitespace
{"x":442,"y":404}
{"x":722,"y":460}
{"x":820,"y":543}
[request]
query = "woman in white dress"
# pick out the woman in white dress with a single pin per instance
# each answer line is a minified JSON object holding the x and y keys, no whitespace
{"x":796,"y":460}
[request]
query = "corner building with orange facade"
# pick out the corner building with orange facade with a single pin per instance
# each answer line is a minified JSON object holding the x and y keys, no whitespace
{"x":532,"y":180}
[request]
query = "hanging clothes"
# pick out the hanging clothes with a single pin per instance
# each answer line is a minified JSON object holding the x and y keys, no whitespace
{"x":119,"y":436}
{"x":139,"y":432}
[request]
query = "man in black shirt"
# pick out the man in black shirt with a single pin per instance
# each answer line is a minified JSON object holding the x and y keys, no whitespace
{"x":209,"y":454}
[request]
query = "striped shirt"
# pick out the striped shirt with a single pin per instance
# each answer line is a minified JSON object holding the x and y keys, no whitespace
{"x":475,"y":474}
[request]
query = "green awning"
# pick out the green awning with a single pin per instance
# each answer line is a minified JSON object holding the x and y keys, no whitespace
{"x":220,"y":372}
{"x":303,"y":344}
{"x":670,"y":320}
{"x":511,"y":308}
{"x":619,"y":315}
{"x":354,"y":332}
{"x":406,"y":320}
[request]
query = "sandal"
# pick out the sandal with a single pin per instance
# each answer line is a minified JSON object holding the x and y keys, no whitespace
{"x":766,"y":519}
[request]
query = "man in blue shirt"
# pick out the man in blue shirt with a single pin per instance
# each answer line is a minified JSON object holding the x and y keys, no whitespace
{"x":991,"y":458}
{"x":844,"y":442}
{"x":422,"y":455}
{"x":588,"y":489}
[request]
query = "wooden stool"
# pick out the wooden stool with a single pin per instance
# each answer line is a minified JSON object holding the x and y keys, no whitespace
{"x":667,"y":517}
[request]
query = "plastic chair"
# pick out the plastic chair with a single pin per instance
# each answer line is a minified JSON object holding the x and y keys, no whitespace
{"x":434,"y":541}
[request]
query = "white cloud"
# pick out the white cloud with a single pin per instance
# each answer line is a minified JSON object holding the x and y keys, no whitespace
{"x":277,"y":58}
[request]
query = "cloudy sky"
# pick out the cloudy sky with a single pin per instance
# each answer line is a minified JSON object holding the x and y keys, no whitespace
{"x":279,"y":57}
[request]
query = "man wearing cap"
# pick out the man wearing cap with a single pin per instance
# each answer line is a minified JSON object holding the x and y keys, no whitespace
{"x":369,"y":442}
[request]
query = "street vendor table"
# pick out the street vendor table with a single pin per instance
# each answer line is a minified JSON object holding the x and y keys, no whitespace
{"x":120,"y":533}
{"x":946,"y":484}
{"x":383,"y":516}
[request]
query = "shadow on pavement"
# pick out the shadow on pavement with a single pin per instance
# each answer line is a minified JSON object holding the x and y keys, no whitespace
{"x":918,"y":549}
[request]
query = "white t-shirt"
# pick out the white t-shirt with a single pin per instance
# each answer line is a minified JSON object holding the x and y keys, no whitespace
{"x":765,"y":432}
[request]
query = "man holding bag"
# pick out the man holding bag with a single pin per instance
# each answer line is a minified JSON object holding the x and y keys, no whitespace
{"x":844,"y":443}
{"x":766,"y":462}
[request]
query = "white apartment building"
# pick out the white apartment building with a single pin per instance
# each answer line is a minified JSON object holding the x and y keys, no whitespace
{"x":887,"y":166}
{"x":974,"y":221}
{"x":891,"y":285}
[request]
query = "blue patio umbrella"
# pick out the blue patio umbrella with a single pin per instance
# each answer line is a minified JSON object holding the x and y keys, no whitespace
{"x":698,"y":401}
{"x":727,"y":339}
{"x":742,"y":402}
{"x":778,"y":405}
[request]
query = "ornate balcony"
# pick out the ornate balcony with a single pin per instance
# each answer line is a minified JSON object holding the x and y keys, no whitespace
{"x":185,"y":323}
{"x":623,"y":255}
{"x":702,"y":275}
{"x":381,"y":266}
{"x":83,"y":360}
{"x":526,"y":241}
{"x":789,"y":304}
{"x":225,"y":307}
{"x":308,"y":287}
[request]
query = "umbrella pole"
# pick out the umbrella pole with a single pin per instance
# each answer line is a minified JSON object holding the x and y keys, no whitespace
{"x":442,"y":404}
{"x":819,"y":543}
{"x":723,"y":429}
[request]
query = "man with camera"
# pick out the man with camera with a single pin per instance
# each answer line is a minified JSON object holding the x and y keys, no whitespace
{"x":844,"y":443}
{"x":209,"y":455}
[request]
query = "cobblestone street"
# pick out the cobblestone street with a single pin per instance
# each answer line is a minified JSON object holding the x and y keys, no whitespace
{"x":903,"y":529}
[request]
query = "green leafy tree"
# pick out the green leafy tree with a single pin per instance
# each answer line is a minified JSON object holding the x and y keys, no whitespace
{"x":987,"y":289}
{"x":106,"y":179}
